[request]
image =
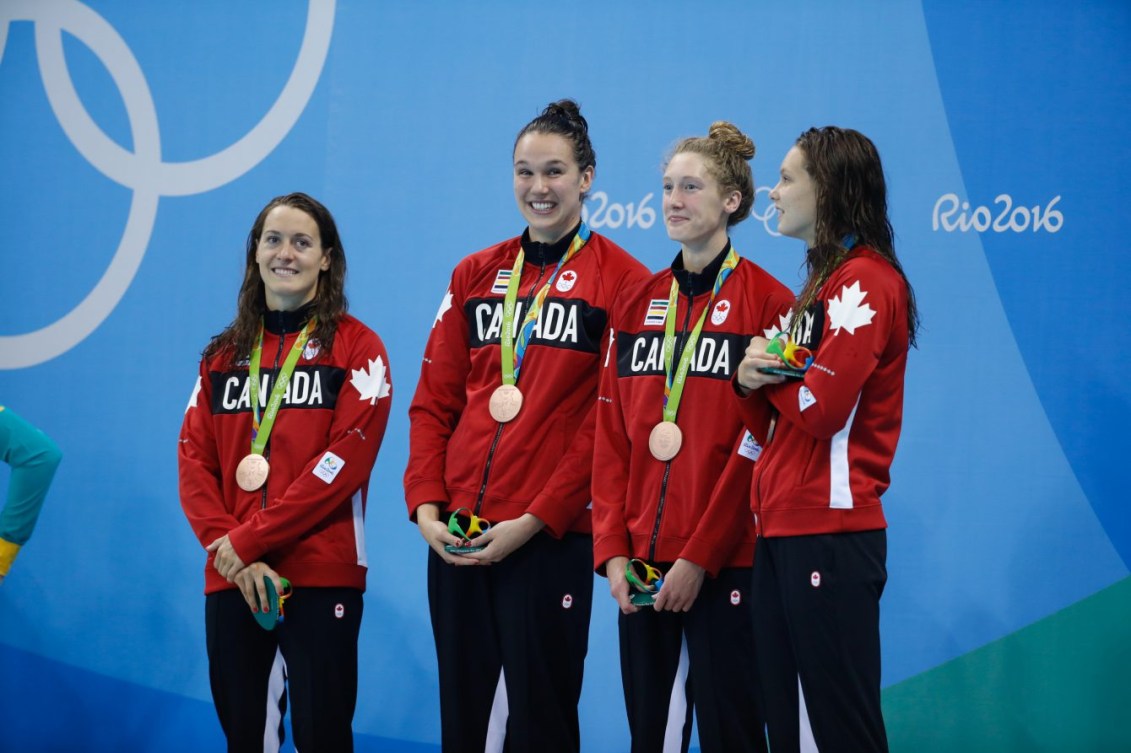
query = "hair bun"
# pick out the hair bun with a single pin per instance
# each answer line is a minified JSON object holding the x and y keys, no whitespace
{"x":567,"y":111}
{"x":728,"y":135}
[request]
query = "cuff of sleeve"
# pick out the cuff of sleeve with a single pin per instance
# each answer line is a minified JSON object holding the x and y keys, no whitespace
{"x":431,"y":491}
{"x":8,"y":552}
{"x":243,"y":543}
{"x":556,"y":519}
{"x":607,"y":547}
{"x":705,"y":554}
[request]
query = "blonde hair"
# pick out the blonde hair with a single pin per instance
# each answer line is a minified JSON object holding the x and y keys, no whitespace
{"x":727,"y":152}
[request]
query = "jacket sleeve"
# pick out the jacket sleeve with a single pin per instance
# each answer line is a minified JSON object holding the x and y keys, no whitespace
{"x":198,"y":466}
{"x":356,"y":431}
{"x":726,"y":517}
{"x":568,"y":491}
{"x":33,"y":458}
{"x":861,"y":303}
{"x":611,"y":453}
{"x":771,"y":312}
{"x":441,"y":395}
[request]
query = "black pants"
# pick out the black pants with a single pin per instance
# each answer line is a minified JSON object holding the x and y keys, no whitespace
{"x":702,"y":658}
{"x":817,"y":634}
{"x":311,"y":656}
{"x":511,"y":640}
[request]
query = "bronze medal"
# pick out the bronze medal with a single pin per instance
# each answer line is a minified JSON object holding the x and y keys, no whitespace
{"x":506,"y":402}
{"x":252,"y":472}
{"x":665,"y":440}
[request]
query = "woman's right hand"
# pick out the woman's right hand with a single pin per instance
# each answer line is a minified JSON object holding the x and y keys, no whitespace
{"x":250,"y":582}
{"x":436,"y":533}
{"x":748,"y":376}
{"x":618,"y":584}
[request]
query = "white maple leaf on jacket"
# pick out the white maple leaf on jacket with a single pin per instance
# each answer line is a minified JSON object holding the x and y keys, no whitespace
{"x":444,"y":306}
{"x":371,"y":382}
{"x":784,"y":321}
{"x":846,"y":311}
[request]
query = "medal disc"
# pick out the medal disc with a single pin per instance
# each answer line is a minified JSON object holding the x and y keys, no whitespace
{"x":506,"y":402}
{"x":252,"y":472}
{"x":665,"y":440}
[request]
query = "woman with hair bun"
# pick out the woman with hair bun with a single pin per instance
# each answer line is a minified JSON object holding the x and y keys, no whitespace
{"x":502,"y":431}
{"x":829,"y":438}
{"x":674,"y":463}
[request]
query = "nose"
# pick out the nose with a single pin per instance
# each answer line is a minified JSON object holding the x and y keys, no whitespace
{"x":774,"y":192}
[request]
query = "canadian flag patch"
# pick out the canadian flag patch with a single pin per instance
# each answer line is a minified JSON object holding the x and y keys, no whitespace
{"x":566,"y":281}
{"x":720,"y":312}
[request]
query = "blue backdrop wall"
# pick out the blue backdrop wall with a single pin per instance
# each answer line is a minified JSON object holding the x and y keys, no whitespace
{"x":139,"y":140}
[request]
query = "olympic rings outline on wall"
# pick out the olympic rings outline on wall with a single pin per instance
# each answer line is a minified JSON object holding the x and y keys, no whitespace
{"x":141,"y":170}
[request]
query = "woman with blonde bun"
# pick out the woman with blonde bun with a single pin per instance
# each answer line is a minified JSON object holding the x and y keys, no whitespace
{"x":674,"y":463}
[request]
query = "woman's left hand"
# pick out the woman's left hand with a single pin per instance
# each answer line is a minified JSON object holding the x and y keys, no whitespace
{"x":226,"y":562}
{"x":503,"y":538}
{"x":681,"y":587}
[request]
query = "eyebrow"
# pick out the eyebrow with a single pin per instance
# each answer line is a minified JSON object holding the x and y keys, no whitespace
{"x":551,"y":163}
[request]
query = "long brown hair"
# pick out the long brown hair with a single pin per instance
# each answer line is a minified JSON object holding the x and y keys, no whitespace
{"x":330,"y":302}
{"x":851,"y":200}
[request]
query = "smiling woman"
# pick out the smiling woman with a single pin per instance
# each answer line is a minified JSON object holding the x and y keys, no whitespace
{"x":290,"y":258}
{"x":274,"y":484}
{"x":517,"y":453}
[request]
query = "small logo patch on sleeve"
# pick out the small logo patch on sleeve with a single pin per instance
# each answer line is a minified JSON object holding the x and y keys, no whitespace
{"x":329,"y":467}
{"x":805,"y":399}
{"x":749,"y":448}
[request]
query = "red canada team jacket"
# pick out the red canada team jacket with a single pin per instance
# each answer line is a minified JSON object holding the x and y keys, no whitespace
{"x":828,"y":460}
{"x":307,"y":520}
{"x":541,"y":462}
{"x":695,"y":506}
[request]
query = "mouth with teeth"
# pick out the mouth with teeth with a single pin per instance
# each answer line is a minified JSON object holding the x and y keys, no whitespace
{"x":284,"y":271}
{"x":542,"y":207}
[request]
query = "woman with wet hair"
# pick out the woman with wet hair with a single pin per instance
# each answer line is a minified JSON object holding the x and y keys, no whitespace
{"x":502,"y":431}
{"x":829,"y":435}
{"x":674,"y":465}
{"x":276,"y":449}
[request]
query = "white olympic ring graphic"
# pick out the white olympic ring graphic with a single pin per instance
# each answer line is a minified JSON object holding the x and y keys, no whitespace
{"x":767,"y":214}
{"x":143,"y":169}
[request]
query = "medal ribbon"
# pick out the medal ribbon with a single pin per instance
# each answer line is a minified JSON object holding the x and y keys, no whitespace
{"x":513,"y":353}
{"x":261,"y":431}
{"x":673,"y":383}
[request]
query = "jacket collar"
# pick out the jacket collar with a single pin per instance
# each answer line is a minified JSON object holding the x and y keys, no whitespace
{"x":697,"y":283}
{"x":284,"y":322}
{"x":547,"y":253}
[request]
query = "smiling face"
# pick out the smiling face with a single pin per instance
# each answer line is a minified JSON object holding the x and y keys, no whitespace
{"x":290,"y":258}
{"x":548,"y":185}
{"x":695,"y":211}
{"x":795,"y":198}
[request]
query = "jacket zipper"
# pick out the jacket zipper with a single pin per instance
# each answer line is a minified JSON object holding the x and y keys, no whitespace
{"x":499,"y":430}
{"x":668,"y":465}
{"x":267,"y":449}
